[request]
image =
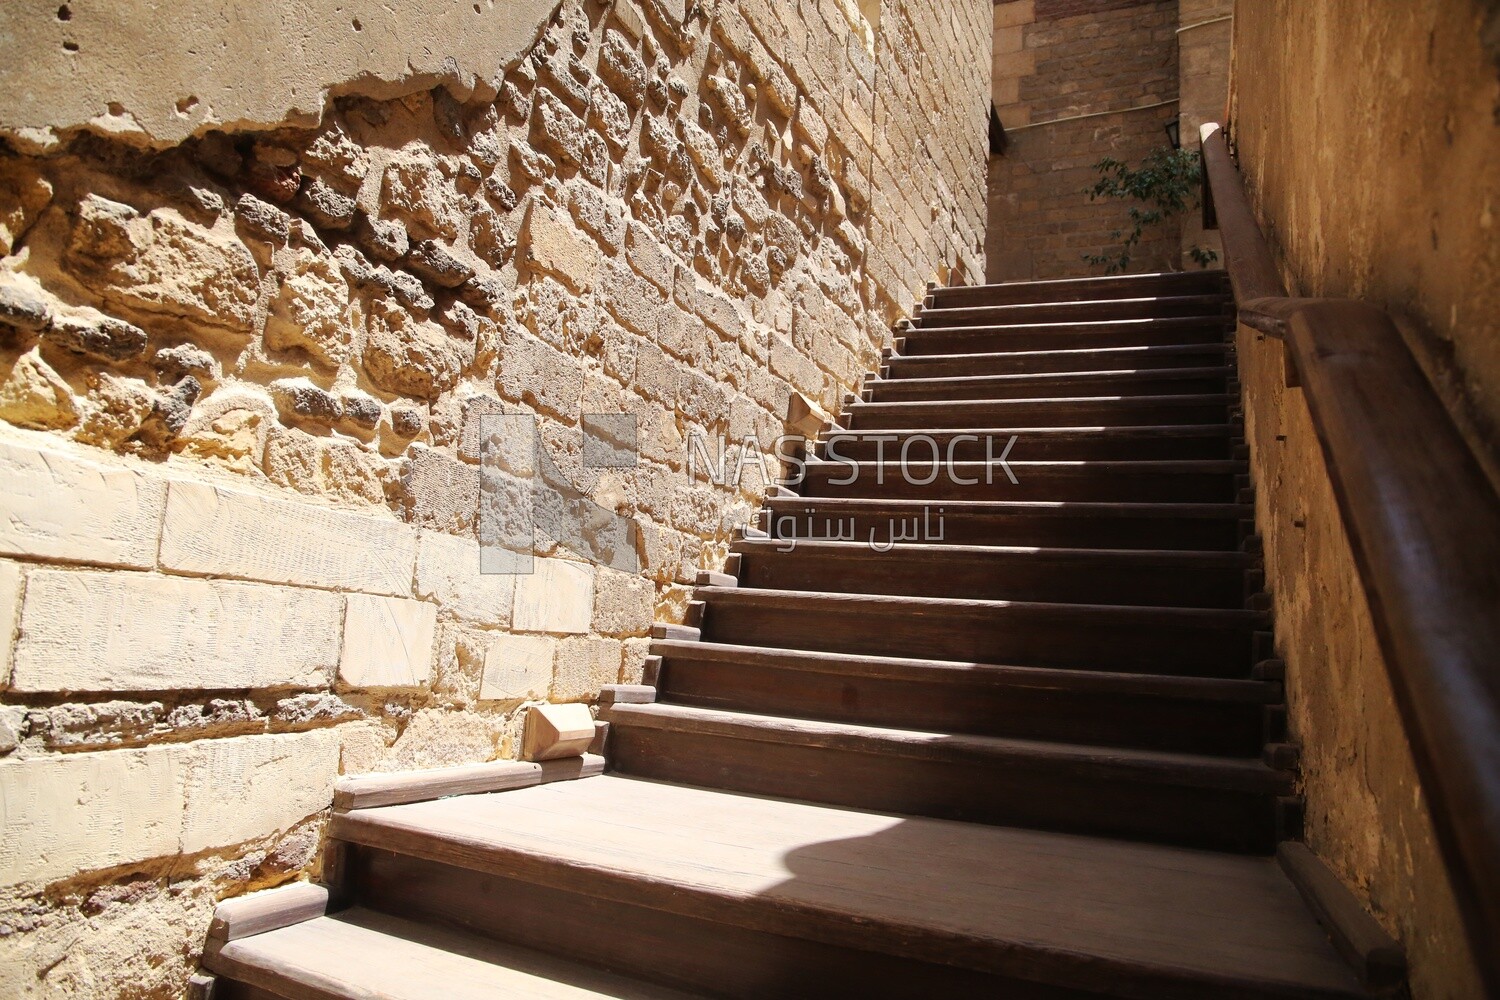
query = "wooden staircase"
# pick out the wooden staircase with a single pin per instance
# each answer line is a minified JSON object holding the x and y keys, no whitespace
{"x":935,"y":731}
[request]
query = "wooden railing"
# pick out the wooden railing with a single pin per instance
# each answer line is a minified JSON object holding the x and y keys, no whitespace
{"x":1424,"y":525}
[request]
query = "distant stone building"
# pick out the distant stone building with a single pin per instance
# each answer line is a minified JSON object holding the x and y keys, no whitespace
{"x":1078,"y":80}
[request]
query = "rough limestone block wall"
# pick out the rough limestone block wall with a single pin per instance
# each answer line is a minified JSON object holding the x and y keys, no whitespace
{"x":1056,"y":60}
{"x":1382,"y":189}
{"x":243,"y":353}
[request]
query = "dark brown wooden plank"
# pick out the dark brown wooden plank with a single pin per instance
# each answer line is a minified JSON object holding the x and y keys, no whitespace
{"x":1192,"y":715}
{"x":1156,"y":578}
{"x":1085,"y":289}
{"x":1090,"y":525}
{"x":1087,"y":411}
{"x":1193,"y":641}
{"x":1149,"y":307}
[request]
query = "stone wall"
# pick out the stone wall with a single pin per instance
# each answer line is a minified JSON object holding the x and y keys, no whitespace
{"x":1368,"y":138}
{"x":1073,"y":83}
{"x":1204,"y":37}
{"x":242,"y":365}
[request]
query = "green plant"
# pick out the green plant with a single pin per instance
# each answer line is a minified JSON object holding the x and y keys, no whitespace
{"x":1167,"y":183}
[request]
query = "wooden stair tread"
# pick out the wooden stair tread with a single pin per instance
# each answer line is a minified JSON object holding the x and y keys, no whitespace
{"x":1156,"y":306}
{"x":1069,"y":289}
{"x":1117,"y":430}
{"x":1069,"y":910}
{"x":1031,"y":508}
{"x":1186,"y":770}
{"x":1190,"y":399}
{"x":1065,"y":356}
{"x":365,"y":955}
{"x":929,"y":551}
{"x":1098,"y":613}
{"x":1027,"y":378}
{"x":1217,"y":689}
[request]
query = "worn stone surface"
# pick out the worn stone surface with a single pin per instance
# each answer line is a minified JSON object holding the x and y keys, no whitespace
{"x":218,"y":67}
{"x":448,"y":572}
{"x":1408,"y":226}
{"x":292,"y":317}
{"x":387,"y":642}
{"x":251,"y":786}
{"x":72,"y":814}
{"x":58,"y":506}
{"x":518,"y":667}
{"x":211,"y":530}
{"x":151,"y":633}
{"x":556,"y":597}
{"x":161,"y":263}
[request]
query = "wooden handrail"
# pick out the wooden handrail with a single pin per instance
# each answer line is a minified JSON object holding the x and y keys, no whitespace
{"x":1424,"y":525}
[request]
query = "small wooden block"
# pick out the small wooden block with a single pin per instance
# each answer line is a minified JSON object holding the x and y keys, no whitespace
{"x":651,"y":671}
{"x":1378,"y":960}
{"x":571,"y":768}
{"x":554,"y":731}
{"x":267,"y":911}
{"x":708,"y":578}
{"x":627,"y":694}
{"x":693,"y":616}
{"x":684,"y":633}
{"x":201,"y":986}
{"x":801,"y":416}
{"x":1282,"y":756}
{"x":366,"y":791}
{"x":596,"y":748}
{"x":1269,"y":670}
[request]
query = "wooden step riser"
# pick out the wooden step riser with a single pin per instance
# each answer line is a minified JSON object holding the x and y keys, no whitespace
{"x":996,"y":338}
{"x":676,"y":949}
{"x":978,"y":708}
{"x":813,"y":518}
{"x":1077,"y":312}
{"x":1017,"y":793}
{"x":1055,"y":363}
{"x":1133,"y":412}
{"x":900,"y":390}
{"x":1008,"y":577}
{"x":229,"y":989}
{"x":1062,"y":484}
{"x":1084,"y":290}
{"x":1079,"y":446}
{"x":1008,"y":635}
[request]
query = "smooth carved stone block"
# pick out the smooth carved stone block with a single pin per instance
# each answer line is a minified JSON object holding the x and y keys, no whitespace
{"x":554,"y":731}
{"x":212,"y":530}
{"x":517,"y":667}
{"x":557,"y":597}
{"x":250,"y":787}
{"x":449,"y":573}
{"x":82,"y":812}
{"x":387,"y":642}
{"x":57,"y":506}
{"x":153,"y":633}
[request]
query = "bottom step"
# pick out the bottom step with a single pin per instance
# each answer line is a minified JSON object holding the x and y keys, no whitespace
{"x":363,"y":954}
{"x":757,"y":898}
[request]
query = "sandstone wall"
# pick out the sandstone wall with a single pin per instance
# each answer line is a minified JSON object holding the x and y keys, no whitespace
{"x":241,"y":373}
{"x":1075,"y":82}
{"x":1368,"y":139}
